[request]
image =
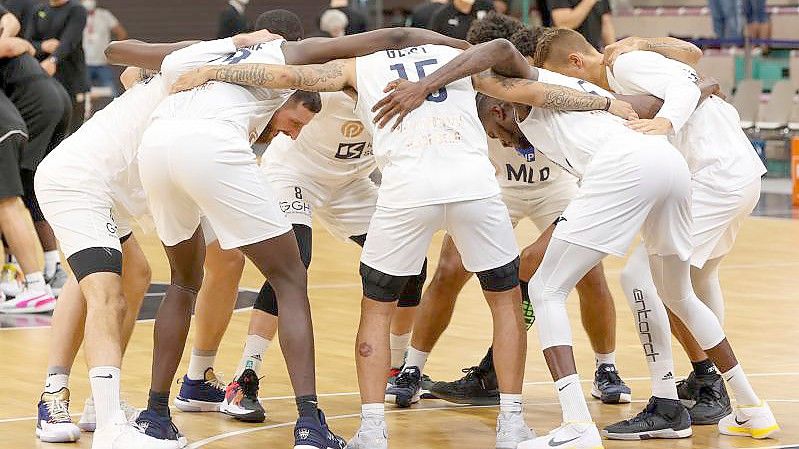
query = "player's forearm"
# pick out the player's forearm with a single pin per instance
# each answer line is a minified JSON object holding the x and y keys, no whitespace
{"x":608,"y":30}
{"x":707,"y":86}
{"x":572,"y":17}
{"x":327,"y":77}
{"x":559,"y":98}
{"x":498,"y":55}
{"x":672,"y":48}
{"x":136,"y":53}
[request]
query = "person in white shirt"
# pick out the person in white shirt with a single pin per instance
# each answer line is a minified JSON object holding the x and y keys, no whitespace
{"x":422,"y":166}
{"x":196,"y":159}
{"x":630,"y":181}
{"x":101,"y":28}
{"x":725,"y":174}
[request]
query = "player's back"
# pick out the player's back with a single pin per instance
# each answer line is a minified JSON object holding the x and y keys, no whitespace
{"x":440,"y":152}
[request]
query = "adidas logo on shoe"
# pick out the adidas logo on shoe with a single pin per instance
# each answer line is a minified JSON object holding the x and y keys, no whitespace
{"x":668,"y":376}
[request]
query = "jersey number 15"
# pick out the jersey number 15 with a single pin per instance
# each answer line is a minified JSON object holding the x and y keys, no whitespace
{"x":436,"y":97}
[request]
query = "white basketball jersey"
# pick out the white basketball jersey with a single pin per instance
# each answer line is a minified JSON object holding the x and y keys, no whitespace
{"x":249,"y":107}
{"x":521,"y":168}
{"x":717,"y":151}
{"x":334,"y":148}
{"x":570,"y":139}
{"x":440,"y":153}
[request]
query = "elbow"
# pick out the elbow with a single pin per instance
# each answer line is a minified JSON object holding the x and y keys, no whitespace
{"x":398,"y":37}
{"x":696,"y":55}
{"x":112,"y":52}
{"x":503,"y":47}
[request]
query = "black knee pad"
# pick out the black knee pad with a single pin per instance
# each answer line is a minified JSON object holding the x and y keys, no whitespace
{"x":125,"y":238}
{"x":29,"y":195}
{"x":380,"y":286}
{"x":359,"y":239}
{"x":95,"y":260}
{"x":500,"y":279}
{"x":412,"y":293}
{"x":266,"y":301}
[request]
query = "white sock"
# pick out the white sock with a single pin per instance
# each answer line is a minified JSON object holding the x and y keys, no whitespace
{"x":105,"y":391}
{"x":199,"y":362}
{"x":609,"y":358}
{"x":572,"y":401}
{"x":398,"y":345}
{"x":416,"y":358}
{"x":55,"y":382}
{"x":35,"y":281}
{"x":741,"y":388}
{"x":510,"y":403}
{"x":373,"y":412}
{"x":662,"y":376}
{"x":253,"y":355}
{"x":51,"y":259}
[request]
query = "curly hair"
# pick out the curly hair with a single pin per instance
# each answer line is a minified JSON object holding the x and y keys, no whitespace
{"x":556,"y":43}
{"x":525,"y":40}
{"x":493,"y":26}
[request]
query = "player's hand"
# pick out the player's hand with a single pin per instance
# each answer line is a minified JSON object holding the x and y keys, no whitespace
{"x":50,"y":45}
{"x":49,"y":66}
{"x":192,"y":79}
{"x":619,"y":48}
{"x":404,"y":97}
{"x":622,"y":109}
{"x":657,"y":125}
{"x":17,"y":46}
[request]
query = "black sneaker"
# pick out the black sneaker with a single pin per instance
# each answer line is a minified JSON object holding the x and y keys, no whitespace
{"x":241,"y":399}
{"x":662,"y":418}
{"x":712,"y":401}
{"x":407,"y":387}
{"x":688,"y":390}
{"x":608,"y":386}
{"x":477,"y":387}
{"x":424,"y":392}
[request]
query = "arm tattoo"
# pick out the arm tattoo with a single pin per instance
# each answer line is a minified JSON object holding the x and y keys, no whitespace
{"x":566,"y":99}
{"x":322,"y":77}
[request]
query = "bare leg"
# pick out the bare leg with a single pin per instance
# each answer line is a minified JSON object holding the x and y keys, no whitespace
{"x":402,"y":323}
{"x":510,"y":339}
{"x":46,"y":235}
{"x":66,"y":330}
{"x":136,"y":277}
{"x":17,"y":227}
{"x":372,"y":349}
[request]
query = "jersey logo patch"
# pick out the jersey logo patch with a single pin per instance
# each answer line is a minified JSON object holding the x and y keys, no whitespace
{"x":350,"y":150}
{"x":527,"y":153}
{"x":351,"y":129}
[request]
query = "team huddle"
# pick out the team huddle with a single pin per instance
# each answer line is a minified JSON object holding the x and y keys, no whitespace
{"x":594,"y":149}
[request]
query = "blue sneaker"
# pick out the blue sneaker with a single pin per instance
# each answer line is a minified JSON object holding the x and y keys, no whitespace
{"x":54,"y":425}
{"x":311,"y":433}
{"x":608,"y":386}
{"x":204,"y":395}
{"x":154,"y":425}
{"x":407,"y":387}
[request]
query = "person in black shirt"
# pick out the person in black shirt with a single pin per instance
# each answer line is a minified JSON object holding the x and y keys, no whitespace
{"x":356,"y":21}
{"x":232,"y":20}
{"x":455,"y":18}
{"x":56,"y":32}
{"x":423,"y":13}
{"x":591,"y":18}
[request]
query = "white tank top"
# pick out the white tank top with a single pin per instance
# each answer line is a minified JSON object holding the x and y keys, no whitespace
{"x":333,"y":149}
{"x":440,"y":153}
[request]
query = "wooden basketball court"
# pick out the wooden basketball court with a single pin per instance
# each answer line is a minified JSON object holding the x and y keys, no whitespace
{"x":760,"y":281}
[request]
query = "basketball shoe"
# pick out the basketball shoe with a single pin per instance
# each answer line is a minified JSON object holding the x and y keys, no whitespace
{"x":424,"y":392}
{"x":750,"y":421}
{"x":9,"y":280}
{"x":573,"y":435}
{"x":57,"y":280}
{"x":407,"y":387}
{"x":205,"y":395}
{"x":160,"y":428}
{"x":88,"y":419}
{"x":512,"y":430}
{"x":241,"y":399}
{"x":705,"y":396}
{"x":372,"y":434}
{"x":312,"y":433}
{"x":30,"y":300}
{"x":662,"y":418}
{"x":478,"y":387}
{"x":609,"y":387}
{"x":54,"y":425}
{"x":120,"y":434}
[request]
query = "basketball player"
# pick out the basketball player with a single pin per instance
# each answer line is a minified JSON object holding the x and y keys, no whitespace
{"x":414,"y":201}
{"x":725,"y":175}
{"x":90,"y":184}
{"x":195,"y":158}
{"x":630,"y":182}
{"x":535,"y":188}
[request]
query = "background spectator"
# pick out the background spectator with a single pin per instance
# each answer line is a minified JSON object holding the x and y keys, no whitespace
{"x":502,"y":6}
{"x":422,"y":14}
{"x":23,"y":10}
{"x":726,"y":18}
{"x":591,"y":18}
{"x":56,"y":32}
{"x":356,"y":21}
{"x":232,"y":20}
{"x":9,"y":24}
{"x":455,"y":18}
{"x":333,"y":23}
{"x":101,"y":26}
{"x":758,"y":23}
{"x":543,"y":10}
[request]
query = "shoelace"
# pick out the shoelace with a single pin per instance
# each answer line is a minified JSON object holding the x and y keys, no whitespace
{"x":250,"y":387}
{"x":707,"y":395}
{"x":611,"y":377}
{"x":473,"y":372}
{"x":58,"y":410}
{"x":404,"y":379}
{"x":645,"y":416}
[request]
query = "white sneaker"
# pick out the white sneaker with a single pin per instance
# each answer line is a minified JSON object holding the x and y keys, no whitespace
{"x":512,"y":430}
{"x":372,"y":434}
{"x":88,"y":420}
{"x":30,"y":301}
{"x":575,"y":435}
{"x":120,"y":434}
{"x":9,"y":280}
{"x":750,"y":421}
